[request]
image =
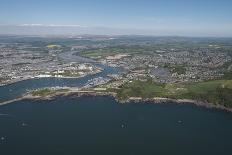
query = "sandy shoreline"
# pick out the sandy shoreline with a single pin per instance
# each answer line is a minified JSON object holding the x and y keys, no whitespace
{"x":155,"y":100}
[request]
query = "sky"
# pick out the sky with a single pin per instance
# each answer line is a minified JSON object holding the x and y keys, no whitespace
{"x":148,"y":17}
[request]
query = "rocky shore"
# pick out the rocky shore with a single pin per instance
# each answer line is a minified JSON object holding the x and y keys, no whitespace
{"x":155,"y":100}
{"x":158,"y":100}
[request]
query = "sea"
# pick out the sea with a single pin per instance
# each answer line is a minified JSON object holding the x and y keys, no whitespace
{"x":84,"y":125}
{"x":88,"y":125}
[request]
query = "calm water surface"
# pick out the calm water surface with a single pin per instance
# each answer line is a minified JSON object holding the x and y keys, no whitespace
{"x":16,"y":90}
{"x":99,"y":125}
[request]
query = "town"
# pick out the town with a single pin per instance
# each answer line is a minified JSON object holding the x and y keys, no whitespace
{"x":21,"y":61}
{"x":129,"y":66}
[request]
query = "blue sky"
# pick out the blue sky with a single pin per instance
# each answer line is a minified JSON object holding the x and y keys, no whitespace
{"x":167,"y":17}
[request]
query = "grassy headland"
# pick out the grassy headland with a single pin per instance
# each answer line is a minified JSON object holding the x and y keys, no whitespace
{"x":217,"y":92}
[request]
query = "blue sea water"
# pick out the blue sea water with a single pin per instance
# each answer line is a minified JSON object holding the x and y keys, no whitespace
{"x":99,"y":125}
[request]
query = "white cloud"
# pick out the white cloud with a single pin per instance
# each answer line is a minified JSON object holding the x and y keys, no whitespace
{"x":51,"y":25}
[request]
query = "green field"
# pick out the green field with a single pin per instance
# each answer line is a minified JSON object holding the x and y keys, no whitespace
{"x":104,"y":52}
{"x":217,"y":92}
{"x":101,"y":53}
{"x":137,"y":88}
{"x":46,"y":92}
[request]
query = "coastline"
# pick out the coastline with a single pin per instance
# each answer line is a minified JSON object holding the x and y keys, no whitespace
{"x":35,"y":77}
{"x":16,"y":81}
{"x":155,"y":100}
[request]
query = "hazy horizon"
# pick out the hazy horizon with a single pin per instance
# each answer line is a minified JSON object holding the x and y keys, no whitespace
{"x":193,"y":18}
